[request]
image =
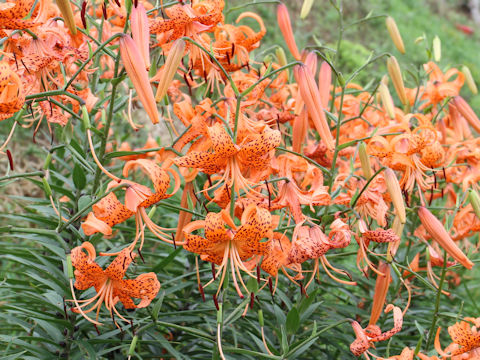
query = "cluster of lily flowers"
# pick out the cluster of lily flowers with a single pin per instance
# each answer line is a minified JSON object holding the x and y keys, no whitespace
{"x":279,"y":149}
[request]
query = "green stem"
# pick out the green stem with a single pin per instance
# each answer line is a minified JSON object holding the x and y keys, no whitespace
{"x":103,"y":144}
{"x":431,"y":332}
{"x":34,"y":173}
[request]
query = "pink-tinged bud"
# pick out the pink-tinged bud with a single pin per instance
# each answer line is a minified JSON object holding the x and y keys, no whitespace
{"x":395,"y":34}
{"x":438,"y":233}
{"x":466,"y":111}
{"x":283,"y":19}
{"x":131,"y":59}
{"x":167,"y":72}
{"x":299,"y":131}
{"x":324,"y":82}
{"x":141,"y":32}
{"x":397,"y":80}
{"x":381,"y":290}
{"x":66,"y":9}
{"x":393,"y":187}
{"x":311,"y":96}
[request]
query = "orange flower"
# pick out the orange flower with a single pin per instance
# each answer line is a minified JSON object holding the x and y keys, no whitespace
{"x":465,"y":340}
{"x":372,"y":333}
{"x":236,"y":245}
{"x":109,"y":283}
{"x":232,"y":158}
{"x":12,"y":14}
{"x":110,"y":211}
{"x":12,"y":95}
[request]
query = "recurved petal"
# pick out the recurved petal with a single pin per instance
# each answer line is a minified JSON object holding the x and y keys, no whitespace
{"x":118,"y":267}
{"x":211,"y":251}
{"x":87,"y":272}
{"x":381,"y":235}
{"x":221,"y":141}
{"x":144,"y":287}
{"x":92,"y":225}
{"x":159,"y":177}
{"x":268,"y":140}
{"x":215,"y":230}
{"x":209,"y":163}
{"x":462,"y":334}
{"x":111,"y":211}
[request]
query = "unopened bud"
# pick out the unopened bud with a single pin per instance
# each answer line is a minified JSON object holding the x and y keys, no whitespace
{"x":438,"y":233}
{"x":365,"y":161}
{"x":475,"y":201}
{"x":387,"y":100}
{"x":437,"y":48}
{"x":281,"y":57}
{"x":397,"y":80}
{"x":467,"y":112}
{"x":285,"y":26}
{"x":167,"y":72}
{"x":66,"y":9}
{"x":395,"y":34}
{"x":395,"y":192}
{"x":131,"y":58}
{"x":469,"y":79}
{"x":306,"y":7}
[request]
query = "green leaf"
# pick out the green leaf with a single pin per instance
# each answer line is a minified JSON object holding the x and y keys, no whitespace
{"x":293,"y":320}
{"x":79,"y":178}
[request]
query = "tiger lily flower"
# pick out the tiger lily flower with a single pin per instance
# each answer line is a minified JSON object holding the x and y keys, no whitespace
{"x":12,"y":94}
{"x":232,"y":158}
{"x":109,"y":211}
{"x":365,"y":338}
{"x":233,"y":246}
{"x":12,"y":14}
{"x":131,"y":57}
{"x":109,"y":283}
{"x":465,"y":340}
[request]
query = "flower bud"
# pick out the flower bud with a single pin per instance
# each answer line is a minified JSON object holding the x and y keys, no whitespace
{"x":466,"y":111}
{"x":438,"y":233}
{"x":397,"y":80}
{"x":395,"y":192}
{"x":324,"y":82}
{"x":131,"y":57}
{"x":437,"y":48}
{"x":311,"y":96}
{"x":306,"y":7}
{"x":66,"y":9}
{"x":381,"y":289}
{"x":167,"y":72}
{"x":475,"y":201}
{"x":387,"y":100}
{"x":283,"y":19}
{"x":141,"y":32}
{"x":395,"y":34}
{"x":365,"y":160}
{"x":281,"y":57}
{"x":469,"y":79}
